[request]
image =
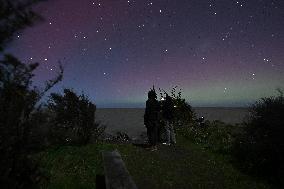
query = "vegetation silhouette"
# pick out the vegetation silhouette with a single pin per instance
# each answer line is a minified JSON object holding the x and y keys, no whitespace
{"x":260,"y":149}
{"x":183,"y":112}
{"x":255,"y":146}
{"x":15,"y":16}
{"x":18,"y":99}
{"x":73,"y":118}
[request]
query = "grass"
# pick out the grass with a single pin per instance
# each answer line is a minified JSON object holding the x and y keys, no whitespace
{"x":186,"y":165}
{"x":72,"y":167}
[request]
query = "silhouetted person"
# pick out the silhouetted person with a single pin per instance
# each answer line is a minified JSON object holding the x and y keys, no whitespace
{"x":168,"y":117}
{"x":151,"y":118}
{"x":160,"y":122}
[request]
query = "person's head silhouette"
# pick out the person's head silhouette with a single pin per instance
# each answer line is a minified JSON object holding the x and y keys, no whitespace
{"x":152,"y":93}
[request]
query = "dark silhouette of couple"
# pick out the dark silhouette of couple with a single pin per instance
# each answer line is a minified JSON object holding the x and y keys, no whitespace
{"x":159,"y":115}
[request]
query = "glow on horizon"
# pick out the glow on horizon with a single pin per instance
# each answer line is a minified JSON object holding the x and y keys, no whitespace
{"x":217,"y":54}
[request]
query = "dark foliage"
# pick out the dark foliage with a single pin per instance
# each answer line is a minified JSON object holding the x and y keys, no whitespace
{"x":183,"y":112}
{"x":39,"y":126}
{"x":17,"y":99}
{"x":14,"y":16}
{"x":117,"y":138}
{"x":215,"y":136}
{"x":260,"y":150}
{"x":74,"y":118}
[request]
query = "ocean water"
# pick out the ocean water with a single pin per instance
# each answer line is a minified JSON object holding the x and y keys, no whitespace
{"x":131,"y":121}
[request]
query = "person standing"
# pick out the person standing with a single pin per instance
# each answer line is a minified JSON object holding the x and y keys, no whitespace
{"x":151,"y":118}
{"x":168,"y":116}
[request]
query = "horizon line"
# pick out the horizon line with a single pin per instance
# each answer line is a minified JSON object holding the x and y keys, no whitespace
{"x":191,"y":106}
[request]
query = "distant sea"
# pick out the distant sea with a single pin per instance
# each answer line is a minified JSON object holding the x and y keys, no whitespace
{"x":130,"y":120}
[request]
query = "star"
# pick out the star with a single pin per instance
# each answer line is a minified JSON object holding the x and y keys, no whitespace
{"x":134,"y":40}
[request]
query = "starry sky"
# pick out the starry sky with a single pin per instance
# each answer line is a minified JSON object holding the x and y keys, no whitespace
{"x":219,"y":52}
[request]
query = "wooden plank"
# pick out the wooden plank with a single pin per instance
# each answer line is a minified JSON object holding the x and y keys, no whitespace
{"x":116,"y":173}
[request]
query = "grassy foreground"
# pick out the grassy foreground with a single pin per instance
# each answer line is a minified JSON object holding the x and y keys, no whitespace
{"x":184,"y":166}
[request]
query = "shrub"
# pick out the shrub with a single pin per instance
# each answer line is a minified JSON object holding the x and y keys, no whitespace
{"x":73,"y":118}
{"x":18,"y":99}
{"x":216,"y":136}
{"x":183,"y":113}
{"x":260,"y":150}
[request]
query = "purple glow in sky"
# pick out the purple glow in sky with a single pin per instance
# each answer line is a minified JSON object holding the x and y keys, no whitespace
{"x":220,"y":53}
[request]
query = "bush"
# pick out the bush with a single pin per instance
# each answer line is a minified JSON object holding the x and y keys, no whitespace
{"x":215,"y":135}
{"x":18,"y":99}
{"x":73,"y":118}
{"x":183,"y":113}
{"x":260,"y":150}
{"x":39,"y":124}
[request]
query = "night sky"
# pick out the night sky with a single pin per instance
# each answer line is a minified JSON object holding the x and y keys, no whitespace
{"x":220,"y":53}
